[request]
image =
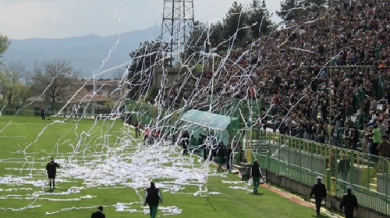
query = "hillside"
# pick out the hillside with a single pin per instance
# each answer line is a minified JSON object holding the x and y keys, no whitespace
{"x":85,"y":53}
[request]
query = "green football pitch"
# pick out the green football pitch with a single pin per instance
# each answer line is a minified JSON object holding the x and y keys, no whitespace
{"x":102,"y":164}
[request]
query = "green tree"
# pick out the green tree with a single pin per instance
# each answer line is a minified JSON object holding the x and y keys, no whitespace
{"x":296,"y":9}
{"x":234,"y":24}
{"x":4,"y":43}
{"x":197,"y":42}
{"x":290,"y":10}
{"x":259,"y":19}
{"x":11,"y":84}
{"x":241,"y":24}
{"x":203,"y":39}
{"x":216,"y":37}
{"x":145,"y":59}
{"x":54,"y":80}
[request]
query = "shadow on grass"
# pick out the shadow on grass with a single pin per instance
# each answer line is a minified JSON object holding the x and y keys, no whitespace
{"x":256,"y":193}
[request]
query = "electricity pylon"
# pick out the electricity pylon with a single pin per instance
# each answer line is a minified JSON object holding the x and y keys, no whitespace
{"x":177,"y":25}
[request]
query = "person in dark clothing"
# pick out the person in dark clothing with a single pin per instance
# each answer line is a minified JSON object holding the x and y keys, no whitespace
{"x":354,"y":137}
{"x":202,"y":144}
{"x":349,"y":202}
{"x":319,"y":191}
{"x":321,"y":133}
{"x":221,"y":153}
{"x":51,"y":168}
{"x":214,"y":147}
{"x":255,"y":174}
{"x":308,"y":130}
{"x":43,"y":113}
{"x":205,"y":152}
{"x":99,"y":213}
{"x":185,"y":141}
{"x":201,"y":139}
{"x":153,"y":197}
{"x":347,"y":136}
{"x":229,"y":158}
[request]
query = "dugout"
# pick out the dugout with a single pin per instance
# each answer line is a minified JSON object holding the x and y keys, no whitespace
{"x":201,"y":122}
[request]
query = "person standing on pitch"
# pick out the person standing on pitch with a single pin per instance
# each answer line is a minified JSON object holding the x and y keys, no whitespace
{"x":255,"y":174}
{"x":349,"y":202}
{"x":99,"y":213}
{"x":51,"y":169}
{"x":153,"y":197}
{"x":185,"y":141}
{"x":319,"y":191}
{"x":136,"y":129}
{"x":229,"y":158}
{"x":221,"y":153}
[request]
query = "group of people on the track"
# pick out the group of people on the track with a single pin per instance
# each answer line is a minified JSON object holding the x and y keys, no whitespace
{"x":151,"y":134}
{"x":348,"y":202}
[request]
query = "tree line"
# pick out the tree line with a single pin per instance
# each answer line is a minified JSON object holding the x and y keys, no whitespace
{"x":52,"y":81}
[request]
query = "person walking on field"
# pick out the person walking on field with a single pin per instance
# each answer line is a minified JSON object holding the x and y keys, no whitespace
{"x":349,"y":202}
{"x":153,"y":197}
{"x":51,"y":168}
{"x":43,"y":113}
{"x":255,"y":174}
{"x":319,"y":191}
{"x":99,"y":213}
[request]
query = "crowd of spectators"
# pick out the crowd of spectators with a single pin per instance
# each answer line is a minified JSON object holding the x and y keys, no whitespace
{"x":327,"y":71}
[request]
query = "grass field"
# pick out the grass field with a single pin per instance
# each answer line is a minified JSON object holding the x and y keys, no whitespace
{"x":102,"y":165}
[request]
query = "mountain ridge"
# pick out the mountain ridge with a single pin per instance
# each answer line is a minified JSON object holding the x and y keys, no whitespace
{"x":84,"y":53}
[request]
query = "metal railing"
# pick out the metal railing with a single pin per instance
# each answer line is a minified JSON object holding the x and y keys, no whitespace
{"x":303,"y":160}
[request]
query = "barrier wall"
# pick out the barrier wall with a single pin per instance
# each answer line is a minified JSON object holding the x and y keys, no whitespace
{"x":303,"y":160}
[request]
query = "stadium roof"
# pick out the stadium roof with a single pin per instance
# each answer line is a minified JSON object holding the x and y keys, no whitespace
{"x":207,"y":119}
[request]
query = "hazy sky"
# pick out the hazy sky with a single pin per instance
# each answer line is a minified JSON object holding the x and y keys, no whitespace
{"x":22,"y":19}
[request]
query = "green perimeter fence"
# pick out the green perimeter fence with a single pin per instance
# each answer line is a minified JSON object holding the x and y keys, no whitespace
{"x":303,"y":160}
{"x":29,"y":112}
